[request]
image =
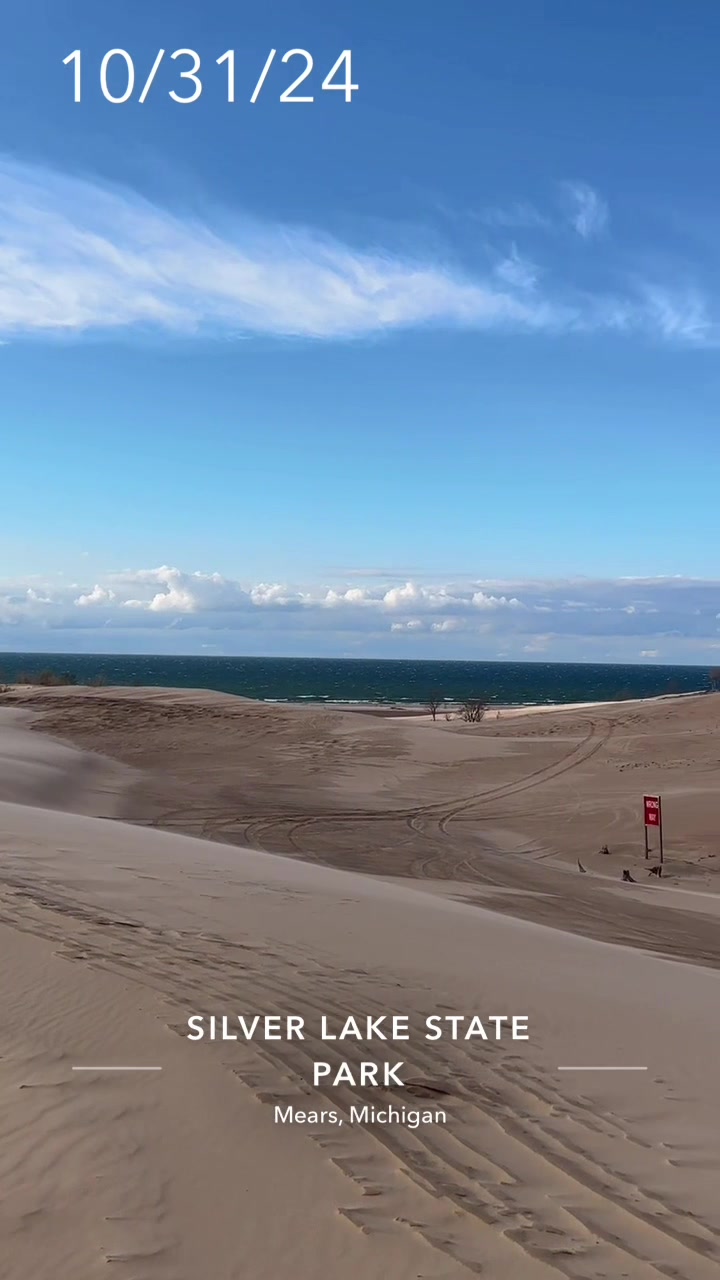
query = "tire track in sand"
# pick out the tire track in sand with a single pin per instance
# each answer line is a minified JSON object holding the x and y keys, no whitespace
{"x":429,"y":819}
{"x":518,"y":1176}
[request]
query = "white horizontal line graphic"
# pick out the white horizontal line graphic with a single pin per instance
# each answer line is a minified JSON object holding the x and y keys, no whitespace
{"x":603,"y":1068}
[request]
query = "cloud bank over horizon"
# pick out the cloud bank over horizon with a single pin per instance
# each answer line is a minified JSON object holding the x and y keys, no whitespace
{"x":167,"y":609}
{"x":80,"y":256}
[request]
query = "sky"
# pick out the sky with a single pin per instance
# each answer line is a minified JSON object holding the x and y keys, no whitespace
{"x":432,"y":372}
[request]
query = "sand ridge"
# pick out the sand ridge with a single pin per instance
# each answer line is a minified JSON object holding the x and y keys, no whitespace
{"x":508,"y":805}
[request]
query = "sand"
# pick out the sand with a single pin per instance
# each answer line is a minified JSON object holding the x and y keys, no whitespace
{"x":114,"y":932}
{"x":434,"y":802}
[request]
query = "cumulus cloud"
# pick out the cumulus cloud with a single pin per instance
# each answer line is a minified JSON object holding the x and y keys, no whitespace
{"x":449,"y":624}
{"x":98,"y":595}
{"x":537,"y":644}
{"x":633,"y":618}
{"x":78,"y":256}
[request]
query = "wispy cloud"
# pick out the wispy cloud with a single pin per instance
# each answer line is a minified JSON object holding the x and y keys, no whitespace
{"x":519,"y":216}
{"x":516,"y":270}
{"x":677,"y":314}
{"x":77,"y":256}
{"x":576,"y":205}
{"x":588,"y":212}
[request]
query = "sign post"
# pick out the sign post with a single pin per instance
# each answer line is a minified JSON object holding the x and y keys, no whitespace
{"x":652,"y":815}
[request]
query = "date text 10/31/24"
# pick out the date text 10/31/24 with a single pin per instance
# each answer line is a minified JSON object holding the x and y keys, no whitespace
{"x":119,"y":82}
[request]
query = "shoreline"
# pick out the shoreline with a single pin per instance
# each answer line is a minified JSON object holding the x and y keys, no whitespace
{"x":504,"y":709}
{"x":378,"y":708}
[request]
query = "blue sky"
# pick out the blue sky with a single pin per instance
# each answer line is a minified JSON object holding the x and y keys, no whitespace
{"x":430,"y":373}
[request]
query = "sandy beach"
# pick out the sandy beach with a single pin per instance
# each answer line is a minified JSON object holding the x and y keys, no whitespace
{"x":167,"y":853}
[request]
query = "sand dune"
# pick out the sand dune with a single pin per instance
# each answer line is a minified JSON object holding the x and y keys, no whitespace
{"x":38,"y":770}
{"x":433,"y":801}
{"x":114,"y":934}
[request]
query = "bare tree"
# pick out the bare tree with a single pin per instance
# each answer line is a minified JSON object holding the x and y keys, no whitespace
{"x":715,"y":679}
{"x":473,"y":711}
{"x":434,"y":701}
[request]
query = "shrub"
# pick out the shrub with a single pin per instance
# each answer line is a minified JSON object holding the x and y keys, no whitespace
{"x":47,"y":678}
{"x":473,"y":711}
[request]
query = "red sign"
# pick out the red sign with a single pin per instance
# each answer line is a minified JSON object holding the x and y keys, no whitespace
{"x":651,"y":806}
